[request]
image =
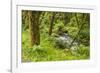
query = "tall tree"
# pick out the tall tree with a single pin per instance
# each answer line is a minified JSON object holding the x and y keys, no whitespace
{"x":34,"y":27}
{"x":51,"y":23}
{"x":77,"y":21}
{"x":25,"y":19}
{"x":79,"y":29}
{"x":66,"y":18}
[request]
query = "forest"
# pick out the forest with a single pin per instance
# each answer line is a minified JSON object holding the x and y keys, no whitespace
{"x":55,"y":36}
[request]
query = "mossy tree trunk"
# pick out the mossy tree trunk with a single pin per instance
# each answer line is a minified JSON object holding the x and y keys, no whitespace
{"x":34,"y":35}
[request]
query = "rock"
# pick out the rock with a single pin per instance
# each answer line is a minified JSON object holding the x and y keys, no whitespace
{"x":63,"y":41}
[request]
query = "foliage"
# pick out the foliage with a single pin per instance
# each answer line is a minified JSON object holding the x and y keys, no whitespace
{"x":48,"y":49}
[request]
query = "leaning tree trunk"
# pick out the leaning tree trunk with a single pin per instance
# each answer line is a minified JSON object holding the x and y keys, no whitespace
{"x":79,"y":29}
{"x":34,"y":28}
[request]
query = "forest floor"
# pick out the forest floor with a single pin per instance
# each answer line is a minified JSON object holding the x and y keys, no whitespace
{"x":47,"y":52}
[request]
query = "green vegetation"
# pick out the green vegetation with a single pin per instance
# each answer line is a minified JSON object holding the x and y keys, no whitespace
{"x":55,"y":36}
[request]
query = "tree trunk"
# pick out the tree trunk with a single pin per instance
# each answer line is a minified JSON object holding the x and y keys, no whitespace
{"x":34,"y":28}
{"x":66,"y":18}
{"x":51,"y":23}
